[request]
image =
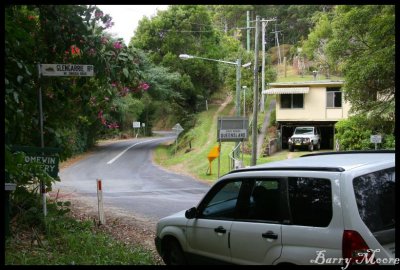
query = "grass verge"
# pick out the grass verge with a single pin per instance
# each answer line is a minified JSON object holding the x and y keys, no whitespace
{"x":71,"y":242}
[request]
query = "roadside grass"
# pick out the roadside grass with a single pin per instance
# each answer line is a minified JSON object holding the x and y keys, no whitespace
{"x":202,"y":139}
{"x":194,"y":161}
{"x":71,"y":242}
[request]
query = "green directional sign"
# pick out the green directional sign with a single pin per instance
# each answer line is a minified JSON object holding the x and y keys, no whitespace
{"x":46,"y":156}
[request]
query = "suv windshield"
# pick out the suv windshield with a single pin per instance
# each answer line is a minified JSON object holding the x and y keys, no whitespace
{"x":375,"y":196}
{"x":304,"y":131}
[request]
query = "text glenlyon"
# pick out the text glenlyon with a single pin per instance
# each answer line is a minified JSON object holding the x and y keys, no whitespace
{"x":367,"y":258}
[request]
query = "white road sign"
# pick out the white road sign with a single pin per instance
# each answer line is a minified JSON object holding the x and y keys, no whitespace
{"x":232,"y":134}
{"x":136,"y":124}
{"x":376,"y":138}
{"x":178,"y":128}
{"x":66,"y":70}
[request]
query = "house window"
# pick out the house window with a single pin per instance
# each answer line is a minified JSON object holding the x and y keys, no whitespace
{"x":333,"y":97}
{"x":292,"y":101}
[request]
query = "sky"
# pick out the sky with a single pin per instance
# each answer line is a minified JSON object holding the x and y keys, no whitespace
{"x":126,"y":17}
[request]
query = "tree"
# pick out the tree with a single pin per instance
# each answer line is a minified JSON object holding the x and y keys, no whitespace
{"x":363,"y":41}
{"x":315,"y":45}
{"x":295,"y":21}
{"x":77,"y":110}
{"x":183,"y":29}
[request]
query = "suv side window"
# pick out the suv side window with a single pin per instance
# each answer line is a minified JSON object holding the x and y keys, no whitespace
{"x":310,"y":201}
{"x":264,"y":203}
{"x":375,"y":197}
{"x":223,"y":203}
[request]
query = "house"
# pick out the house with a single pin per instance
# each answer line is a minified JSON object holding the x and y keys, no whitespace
{"x":312,"y":103}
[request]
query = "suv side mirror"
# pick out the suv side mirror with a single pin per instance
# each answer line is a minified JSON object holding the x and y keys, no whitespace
{"x":191,"y":213}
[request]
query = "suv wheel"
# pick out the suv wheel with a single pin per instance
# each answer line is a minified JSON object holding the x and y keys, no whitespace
{"x":311,"y":147}
{"x":291,"y":148}
{"x":174,"y":254}
{"x":318,"y":146}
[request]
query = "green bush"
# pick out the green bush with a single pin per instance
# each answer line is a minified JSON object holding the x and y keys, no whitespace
{"x":355,"y":133}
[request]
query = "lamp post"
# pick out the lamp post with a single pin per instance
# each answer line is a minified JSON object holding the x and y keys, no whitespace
{"x":238,"y":76}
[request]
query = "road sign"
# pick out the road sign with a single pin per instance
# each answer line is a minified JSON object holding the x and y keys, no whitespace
{"x":233,"y":134}
{"x":376,"y":138}
{"x":66,"y":70}
{"x":136,"y":124}
{"x":41,"y":155}
{"x":178,"y":128}
{"x":232,"y":128}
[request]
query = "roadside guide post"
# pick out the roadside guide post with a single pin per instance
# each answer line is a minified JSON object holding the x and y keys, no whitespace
{"x":178,"y":129}
{"x":56,"y":70}
{"x":102,"y":218}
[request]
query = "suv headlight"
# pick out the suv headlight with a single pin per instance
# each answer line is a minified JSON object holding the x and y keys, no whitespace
{"x":290,"y":140}
{"x":306,"y":140}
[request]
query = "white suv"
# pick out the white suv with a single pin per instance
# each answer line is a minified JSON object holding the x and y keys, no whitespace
{"x":328,"y":208}
{"x":309,"y":137}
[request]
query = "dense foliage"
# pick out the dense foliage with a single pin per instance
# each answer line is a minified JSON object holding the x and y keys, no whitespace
{"x":363,"y":42}
{"x":359,"y":42}
{"x":352,"y":133}
{"x":77,"y":110}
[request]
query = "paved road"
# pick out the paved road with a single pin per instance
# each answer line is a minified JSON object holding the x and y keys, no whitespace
{"x":131,"y":182}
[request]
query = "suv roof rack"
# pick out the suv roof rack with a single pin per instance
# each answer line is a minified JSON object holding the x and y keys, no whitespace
{"x":321,"y":169}
{"x":351,"y":152}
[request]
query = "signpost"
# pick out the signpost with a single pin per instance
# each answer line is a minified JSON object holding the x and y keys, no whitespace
{"x":66,"y":70}
{"x":178,"y":129}
{"x":231,"y":129}
{"x":45,"y":156}
{"x":136,"y":125}
{"x":376,"y":139}
{"x":56,"y":70}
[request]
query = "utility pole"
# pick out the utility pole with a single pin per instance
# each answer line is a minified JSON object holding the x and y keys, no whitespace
{"x":277,"y":44}
{"x":255,"y":100}
{"x":264,"y":43}
{"x":248,"y":31}
{"x":238,"y":87}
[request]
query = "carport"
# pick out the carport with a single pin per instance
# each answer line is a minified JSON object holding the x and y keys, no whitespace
{"x":327,"y":132}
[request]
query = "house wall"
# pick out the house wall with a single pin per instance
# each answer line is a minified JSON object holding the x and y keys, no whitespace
{"x":314,"y":108}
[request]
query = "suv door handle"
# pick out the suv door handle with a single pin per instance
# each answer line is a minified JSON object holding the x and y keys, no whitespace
{"x":270,"y":235}
{"x":220,"y":229}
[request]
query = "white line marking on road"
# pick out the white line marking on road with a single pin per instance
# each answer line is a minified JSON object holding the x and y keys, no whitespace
{"x":123,"y":152}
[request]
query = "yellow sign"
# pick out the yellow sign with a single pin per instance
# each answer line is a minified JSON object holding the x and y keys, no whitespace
{"x":214,"y":153}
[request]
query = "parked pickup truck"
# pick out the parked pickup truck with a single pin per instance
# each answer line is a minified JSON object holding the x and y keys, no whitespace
{"x":309,"y":137}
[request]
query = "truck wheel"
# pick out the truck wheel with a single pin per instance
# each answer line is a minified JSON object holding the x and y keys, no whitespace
{"x":174,"y":254}
{"x":311,"y":147}
{"x":291,"y":148}
{"x":318,"y":146}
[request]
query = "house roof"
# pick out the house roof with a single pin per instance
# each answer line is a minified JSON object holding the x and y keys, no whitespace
{"x":307,"y":83}
{"x":287,"y":90}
